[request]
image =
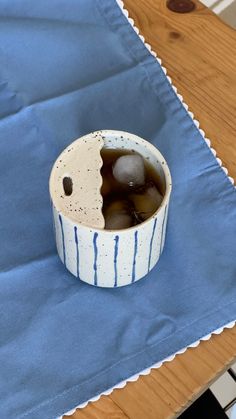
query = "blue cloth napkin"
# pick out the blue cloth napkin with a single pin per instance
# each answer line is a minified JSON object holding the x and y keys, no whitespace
{"x":68,"y":67}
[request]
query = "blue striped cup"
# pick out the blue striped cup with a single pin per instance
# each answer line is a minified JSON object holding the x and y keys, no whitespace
{"x":114,"y":258}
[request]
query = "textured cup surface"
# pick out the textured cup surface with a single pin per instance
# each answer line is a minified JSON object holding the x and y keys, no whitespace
{"x":114,"y":258}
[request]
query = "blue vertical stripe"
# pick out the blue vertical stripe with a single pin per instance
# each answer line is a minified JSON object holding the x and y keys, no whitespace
{"x":95,"y":248}
{"x":162,"y":230}
{"x":54,"y":226}
{"x":77,"y":250}
{"x":151,"y":243}
{"x":63,"y":239}
{"x":135,"y":254}
{"x":115,"y":258}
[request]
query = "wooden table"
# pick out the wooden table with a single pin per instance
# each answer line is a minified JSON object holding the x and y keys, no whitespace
{"x":199,"y":52}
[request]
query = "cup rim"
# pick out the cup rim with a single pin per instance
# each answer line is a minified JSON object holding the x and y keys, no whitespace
{"x":154,"y":150}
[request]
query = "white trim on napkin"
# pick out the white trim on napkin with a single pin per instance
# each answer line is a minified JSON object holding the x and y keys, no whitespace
{"x":180,"y":97}
{"x":147,"y":371}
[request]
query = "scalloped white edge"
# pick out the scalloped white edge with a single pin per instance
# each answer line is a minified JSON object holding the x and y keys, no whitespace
{"x":147,"y":371}
{"x":230,"y":325}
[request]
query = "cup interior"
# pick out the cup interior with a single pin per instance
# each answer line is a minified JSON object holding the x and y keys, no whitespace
{"x":64,"y":175}
{"x":130,"y":142}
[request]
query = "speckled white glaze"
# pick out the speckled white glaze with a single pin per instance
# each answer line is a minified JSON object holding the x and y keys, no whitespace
{"x":81,"y":163}
{"x":115,"y":258}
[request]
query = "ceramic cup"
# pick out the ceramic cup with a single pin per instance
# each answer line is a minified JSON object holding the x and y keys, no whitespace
{"x":111,"y":258}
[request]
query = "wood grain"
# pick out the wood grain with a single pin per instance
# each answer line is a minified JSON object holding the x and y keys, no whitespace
{"x":199,"y":52}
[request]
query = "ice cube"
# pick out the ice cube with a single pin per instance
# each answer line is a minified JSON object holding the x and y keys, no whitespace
{"x":118,"y":215}
{"x":130,"y":170}
{"x":146,"y":203}
{"x":118,"y":205}
{"x":118,"y":221}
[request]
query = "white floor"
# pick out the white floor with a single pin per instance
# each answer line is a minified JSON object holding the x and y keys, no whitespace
{"x":224,"y":389}
{"x":225,"y":9}
{"x":217,"y":5}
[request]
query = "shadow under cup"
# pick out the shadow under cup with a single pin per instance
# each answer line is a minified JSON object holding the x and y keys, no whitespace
{"x":114,"y":258}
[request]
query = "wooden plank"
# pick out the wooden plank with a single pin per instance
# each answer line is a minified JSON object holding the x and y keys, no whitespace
{"x":104,"y":408}
{"x":199,"y":52}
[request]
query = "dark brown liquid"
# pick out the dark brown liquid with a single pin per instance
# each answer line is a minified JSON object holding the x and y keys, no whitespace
{"x":127,"y":204}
